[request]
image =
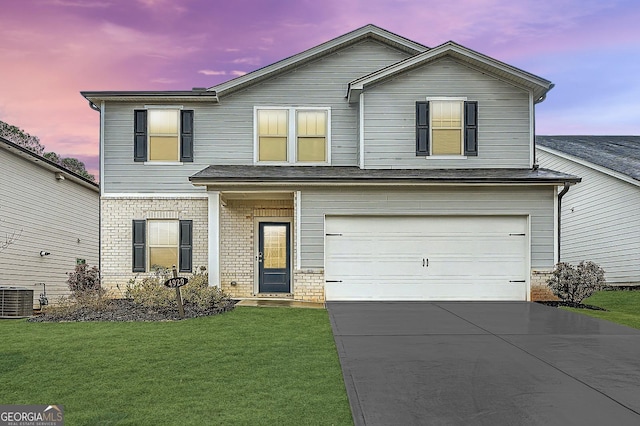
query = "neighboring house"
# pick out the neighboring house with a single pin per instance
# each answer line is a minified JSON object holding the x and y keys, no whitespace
{"x":600,"y":216}
{"x":51,"y":214}
{"x":368,"y":167}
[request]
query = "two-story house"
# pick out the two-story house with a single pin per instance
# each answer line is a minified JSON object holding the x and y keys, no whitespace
{"x":368,"y":167}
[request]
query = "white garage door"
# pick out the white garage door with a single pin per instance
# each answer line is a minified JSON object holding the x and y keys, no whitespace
{"x":426,"y":258}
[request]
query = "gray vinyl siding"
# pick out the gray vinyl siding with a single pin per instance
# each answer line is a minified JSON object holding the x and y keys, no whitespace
{"x":504,"y":136}
{"x":60,"y":217}
{"x":223,"y":133}
{"x":534,"y":201}
{"x":599,"y":220}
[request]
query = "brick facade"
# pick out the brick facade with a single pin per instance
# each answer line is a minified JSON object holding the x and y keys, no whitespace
{"x":116,"y":233}
{"x":539,"y":289}
{"x":237,"y":241}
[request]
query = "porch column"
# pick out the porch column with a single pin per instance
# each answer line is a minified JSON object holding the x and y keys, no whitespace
{"x":214,"y":238}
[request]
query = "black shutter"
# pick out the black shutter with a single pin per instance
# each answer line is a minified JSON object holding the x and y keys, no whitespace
{"x":471,"y":128}
{"x":140,"y":135}
{"x":422,"y":128}
{"x":186,"y":136}
{"x":186,"y":245}
{"x":139,"y":241}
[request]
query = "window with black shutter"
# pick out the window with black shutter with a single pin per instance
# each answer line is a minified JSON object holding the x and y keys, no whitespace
{"x":446,"y":127}
{"x":471,"y":128}
{"x":422,"y":128}
{"x":163,"y":135}
{"x":186,"y":136}
{"x":140,"y":135}
{"x":139,"y":246}
{"x":186,"y":245}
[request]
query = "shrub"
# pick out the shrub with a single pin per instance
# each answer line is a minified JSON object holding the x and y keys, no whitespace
{"x":576,"y":284}
{"x":151,"y":292}
{"x":198,"y":293}
{"x":84,"y":282}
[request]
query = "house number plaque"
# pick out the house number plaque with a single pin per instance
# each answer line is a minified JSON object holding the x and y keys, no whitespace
{"x":177,"y":282}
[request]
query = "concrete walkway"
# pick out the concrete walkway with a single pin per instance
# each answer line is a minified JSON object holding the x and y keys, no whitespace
{"x":474,"y":363}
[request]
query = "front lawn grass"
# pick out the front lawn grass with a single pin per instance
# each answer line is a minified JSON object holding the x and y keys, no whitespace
{"x":249,"y":366}
{"x":622,"y":306}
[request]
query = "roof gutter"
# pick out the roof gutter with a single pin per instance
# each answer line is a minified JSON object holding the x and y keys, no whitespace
{"x":94,"y":106}
{"x":543,"y":97}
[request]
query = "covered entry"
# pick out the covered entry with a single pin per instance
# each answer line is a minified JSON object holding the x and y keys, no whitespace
{"x":426,"y":257}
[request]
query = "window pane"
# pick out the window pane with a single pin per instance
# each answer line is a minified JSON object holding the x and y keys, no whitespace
{"x":163,"y":122}
{"x":272,"y":149}
{"x":163,"y":232}
{"x":275,"y":247}
{"x":272,"y":122}
{"x":447,"y":142}
{"x":163,"y":148}
{"x":446,"y":114}
{"x":163,"y":256}
{"x":163,"y":242}
{"x":312,"y":123}
{"x":312,"y":149}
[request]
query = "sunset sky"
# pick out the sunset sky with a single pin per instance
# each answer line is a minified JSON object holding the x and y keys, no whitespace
{"x":50,"y":50}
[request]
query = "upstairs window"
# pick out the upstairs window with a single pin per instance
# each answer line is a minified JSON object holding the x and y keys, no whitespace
{"x":163,"y":135}
{"x":311,"y":136}
{"x":446,"y":127}
{"x":292,"y":135}
{"x":273,"y":129}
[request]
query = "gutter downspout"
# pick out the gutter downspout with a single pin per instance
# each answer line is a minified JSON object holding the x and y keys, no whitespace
{"x":560,"y":195}
{"x":99,"y":109}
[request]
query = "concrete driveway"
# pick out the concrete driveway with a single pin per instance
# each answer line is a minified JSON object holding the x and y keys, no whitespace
{"x":475,"y":363}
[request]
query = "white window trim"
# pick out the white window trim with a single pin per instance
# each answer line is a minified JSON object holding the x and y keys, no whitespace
{"x":163,"y":163}
{"x":433,"y":156}
{"x":291,"y":137}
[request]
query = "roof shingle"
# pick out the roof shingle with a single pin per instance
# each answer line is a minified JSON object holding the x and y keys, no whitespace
{"x":618,"y":153}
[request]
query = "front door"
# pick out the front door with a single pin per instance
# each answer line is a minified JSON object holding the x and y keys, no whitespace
{"x":274,"y":254}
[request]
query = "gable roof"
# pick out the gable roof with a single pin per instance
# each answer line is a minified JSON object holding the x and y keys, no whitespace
{"x":367,"y":32}
{"x":46,"y":164}
{"x":620,"y":154}
{"x":538,"y":85}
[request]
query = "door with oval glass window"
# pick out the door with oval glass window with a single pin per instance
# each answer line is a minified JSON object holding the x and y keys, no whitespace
{"x":274,"y":254}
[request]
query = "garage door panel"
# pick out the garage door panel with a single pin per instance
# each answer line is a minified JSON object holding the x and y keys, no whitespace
{"x":426,"y":258}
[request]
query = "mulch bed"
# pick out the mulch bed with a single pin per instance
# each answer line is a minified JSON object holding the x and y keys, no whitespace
{"x":571,"y":305}
{"x":127,"y":310}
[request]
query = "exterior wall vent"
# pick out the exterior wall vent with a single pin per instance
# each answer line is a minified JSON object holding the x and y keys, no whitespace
{"x":16,"y":302}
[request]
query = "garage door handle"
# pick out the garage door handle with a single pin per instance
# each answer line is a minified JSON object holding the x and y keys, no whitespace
{"x":517,"y":235}
{"x":425,"y":262}
{"x":333,"y":281}
{"x":517,"y":281}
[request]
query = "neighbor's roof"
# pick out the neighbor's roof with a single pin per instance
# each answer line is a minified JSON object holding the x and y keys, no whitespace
{"x":236,"y":174}
{"x":46,"y":164}
{"x":538,"y":85}
{"x":618,"y":153}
